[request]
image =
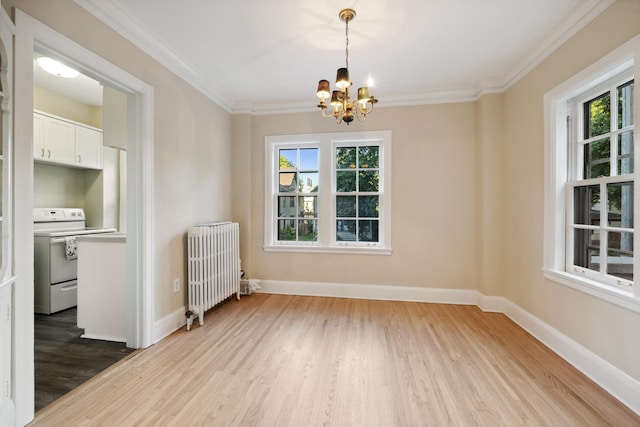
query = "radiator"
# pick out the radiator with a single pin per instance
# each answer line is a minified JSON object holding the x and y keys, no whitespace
{"x":213,"y":267}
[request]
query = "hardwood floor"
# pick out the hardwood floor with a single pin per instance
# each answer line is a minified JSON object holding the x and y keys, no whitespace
{"x":63,"y":360}
{"x":273,"y":360}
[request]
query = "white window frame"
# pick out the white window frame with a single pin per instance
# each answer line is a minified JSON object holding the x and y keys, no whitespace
{"x":326,"y":144}
{"x":558,"y":202}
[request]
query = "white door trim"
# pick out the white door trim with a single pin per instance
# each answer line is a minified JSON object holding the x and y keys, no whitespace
{"x":31,"y":33}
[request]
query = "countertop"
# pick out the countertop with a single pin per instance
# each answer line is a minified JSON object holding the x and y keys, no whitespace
{"x":103,"y":237}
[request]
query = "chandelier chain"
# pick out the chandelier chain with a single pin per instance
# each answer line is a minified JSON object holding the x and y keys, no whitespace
{"x":346,"y":42}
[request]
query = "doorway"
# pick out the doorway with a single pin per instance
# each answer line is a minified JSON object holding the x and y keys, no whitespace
{"x":82,"y":174}
{"x":31,"y":35}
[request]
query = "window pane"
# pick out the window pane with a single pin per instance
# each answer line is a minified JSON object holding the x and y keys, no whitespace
{"x":625,"y":105}
{"x":346,"y":230}
{"x":308,"y":182}
{"x":625,"y":153}
{"x":586,"y":205}
{"x":288,"y":182}
{"x":346,"y":206}
{"x":368,"y":206}
{"x":620,"y":204}
{"x":597,"y":155}
{"x":286,"y":206}
{"x":287,"y":229}
{"x":308,"y":206}
{"x":586,"y":249}
{"x":368,"y":157}
{"x":309,"y":159}
{"x":597,"y":116}
{"x":346,"y":157}
{"x":345,"y":181}
{"x":369,"y":180}
{"x":307,"y":230}
{"x":288,"y":159}
{"x":620,"y":255}
{"x":368,"y":230}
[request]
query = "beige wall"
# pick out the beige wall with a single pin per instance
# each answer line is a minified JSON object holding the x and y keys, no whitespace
{"x":434,"y":208}
{"x":53,"y":103}
{"x":605,"y":329}
{"x":58,"y":186}
{"x":192,"y":145}
{"x":490,"y":193}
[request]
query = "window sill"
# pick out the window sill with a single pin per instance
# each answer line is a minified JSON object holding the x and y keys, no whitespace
{"x":345,"y":250}
{"x":619,"y":297}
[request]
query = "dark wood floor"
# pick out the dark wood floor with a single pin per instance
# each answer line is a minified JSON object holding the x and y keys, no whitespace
{"x":63,"y":360}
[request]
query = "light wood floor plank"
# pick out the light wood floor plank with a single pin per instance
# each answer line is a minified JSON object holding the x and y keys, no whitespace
{"x":271,"y":360}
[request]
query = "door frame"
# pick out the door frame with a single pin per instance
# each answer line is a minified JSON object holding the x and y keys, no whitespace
{"x":32,"y":34}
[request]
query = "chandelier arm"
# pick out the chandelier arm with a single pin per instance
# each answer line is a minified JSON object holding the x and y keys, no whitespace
{"x":326,"y":116}
{"x":367,"y":108}
{"x":360,"y":115}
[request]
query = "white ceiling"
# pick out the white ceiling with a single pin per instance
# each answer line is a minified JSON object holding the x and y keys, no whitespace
{"x":267,"y":56}
{"x":81,"y":88}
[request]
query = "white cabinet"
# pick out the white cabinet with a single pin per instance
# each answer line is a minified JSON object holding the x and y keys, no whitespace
{"x":66,"y":143}
{"x":102,"y":286}
{"x":114,"y":118}
{"x":54,"y":140}
{"x":88,"y":147}
{"x":39,"y":150}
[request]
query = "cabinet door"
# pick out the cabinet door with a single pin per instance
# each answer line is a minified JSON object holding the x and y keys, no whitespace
{"x":38,"y":137}
{"x":59,"y":140}
{"x":88,"y":148}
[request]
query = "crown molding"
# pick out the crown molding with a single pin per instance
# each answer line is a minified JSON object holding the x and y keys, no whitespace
{"x":579,"y":17}
{"x":134,"y":31}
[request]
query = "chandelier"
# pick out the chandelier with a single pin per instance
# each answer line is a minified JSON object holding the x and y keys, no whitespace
{"x":342,"y":108}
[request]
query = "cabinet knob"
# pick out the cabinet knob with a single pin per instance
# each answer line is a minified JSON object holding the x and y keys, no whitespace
{"x":49,"y":154}
{"x":42,"y":154}
{"x":79,"y":159}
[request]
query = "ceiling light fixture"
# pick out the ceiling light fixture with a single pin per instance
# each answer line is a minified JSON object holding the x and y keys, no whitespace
{"x":342,"y":108}
{"x":56,"y":68}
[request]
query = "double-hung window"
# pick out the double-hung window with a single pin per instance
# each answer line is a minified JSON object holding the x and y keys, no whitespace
{"x":600,"y":218}
{"x":592,"y":205}
{"x":328,"y":192}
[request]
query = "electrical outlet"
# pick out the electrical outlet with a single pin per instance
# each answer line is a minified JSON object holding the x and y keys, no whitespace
{"x":176,"y":285}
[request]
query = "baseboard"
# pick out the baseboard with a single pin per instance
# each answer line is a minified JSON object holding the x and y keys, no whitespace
{"x":617,"y":383}
{"x":622,"y":386}
{"x":169,"y":324}
{"x":375,"y":292}
{"x":491,"y":304}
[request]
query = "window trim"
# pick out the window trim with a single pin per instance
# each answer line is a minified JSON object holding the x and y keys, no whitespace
{"x":326,"y":243}
{"x":557,"y":108}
